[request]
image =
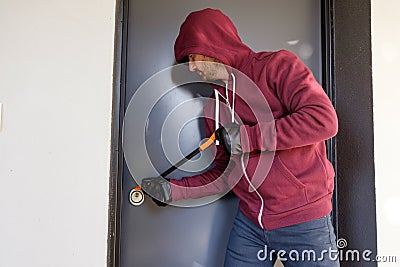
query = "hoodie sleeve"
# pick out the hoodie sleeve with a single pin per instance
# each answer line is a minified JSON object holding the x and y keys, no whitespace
{"x":309,"y":114}
{"x":208,"y":183}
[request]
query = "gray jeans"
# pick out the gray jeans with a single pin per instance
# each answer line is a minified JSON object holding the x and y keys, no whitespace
{"x":308,"y":244}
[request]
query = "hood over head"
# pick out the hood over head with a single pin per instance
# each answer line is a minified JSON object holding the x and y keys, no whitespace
{"x":211,"y":33}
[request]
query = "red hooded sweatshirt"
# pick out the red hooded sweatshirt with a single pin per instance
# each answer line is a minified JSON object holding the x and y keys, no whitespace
{"x":287,"y":178}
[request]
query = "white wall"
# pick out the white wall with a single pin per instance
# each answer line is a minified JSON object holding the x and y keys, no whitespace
{"x":56,"y":60}
{"x":386,"y":75}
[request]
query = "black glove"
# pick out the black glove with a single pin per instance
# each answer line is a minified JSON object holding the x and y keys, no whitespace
{"x":229,"y":136}
{"x":159,"y":189}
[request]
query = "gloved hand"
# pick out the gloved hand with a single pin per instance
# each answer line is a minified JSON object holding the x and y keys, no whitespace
{"x":159,"y":189}
{"x":229,"y":136}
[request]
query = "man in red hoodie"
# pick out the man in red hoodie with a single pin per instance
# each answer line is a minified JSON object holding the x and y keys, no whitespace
{"x":279,"y":168}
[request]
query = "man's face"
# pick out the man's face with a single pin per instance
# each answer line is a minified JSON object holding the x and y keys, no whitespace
{"x":207,"y":67}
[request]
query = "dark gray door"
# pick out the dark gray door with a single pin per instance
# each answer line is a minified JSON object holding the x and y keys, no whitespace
{"x":197,"y":236}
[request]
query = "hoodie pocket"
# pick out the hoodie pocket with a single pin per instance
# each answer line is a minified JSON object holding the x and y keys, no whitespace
{"x":281,"y":190}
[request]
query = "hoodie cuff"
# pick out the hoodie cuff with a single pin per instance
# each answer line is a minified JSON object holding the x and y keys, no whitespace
{"x":178,"y":190}
{"x":261,"y":136}
{"x":245,"y":141}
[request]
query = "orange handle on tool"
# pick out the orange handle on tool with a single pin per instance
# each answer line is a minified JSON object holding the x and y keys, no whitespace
{"x":208,"y":143}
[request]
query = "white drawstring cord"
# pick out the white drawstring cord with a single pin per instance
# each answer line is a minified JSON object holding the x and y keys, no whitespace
{"x":226,"y":98}
{"x":232,"y":109}
{"x":233,"y":96}
{"x":252,"y":186}
{"x":216,"y":113}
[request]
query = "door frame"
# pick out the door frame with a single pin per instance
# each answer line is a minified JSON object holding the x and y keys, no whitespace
{"x":337,"y":61}
{"x":118,"y":110}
